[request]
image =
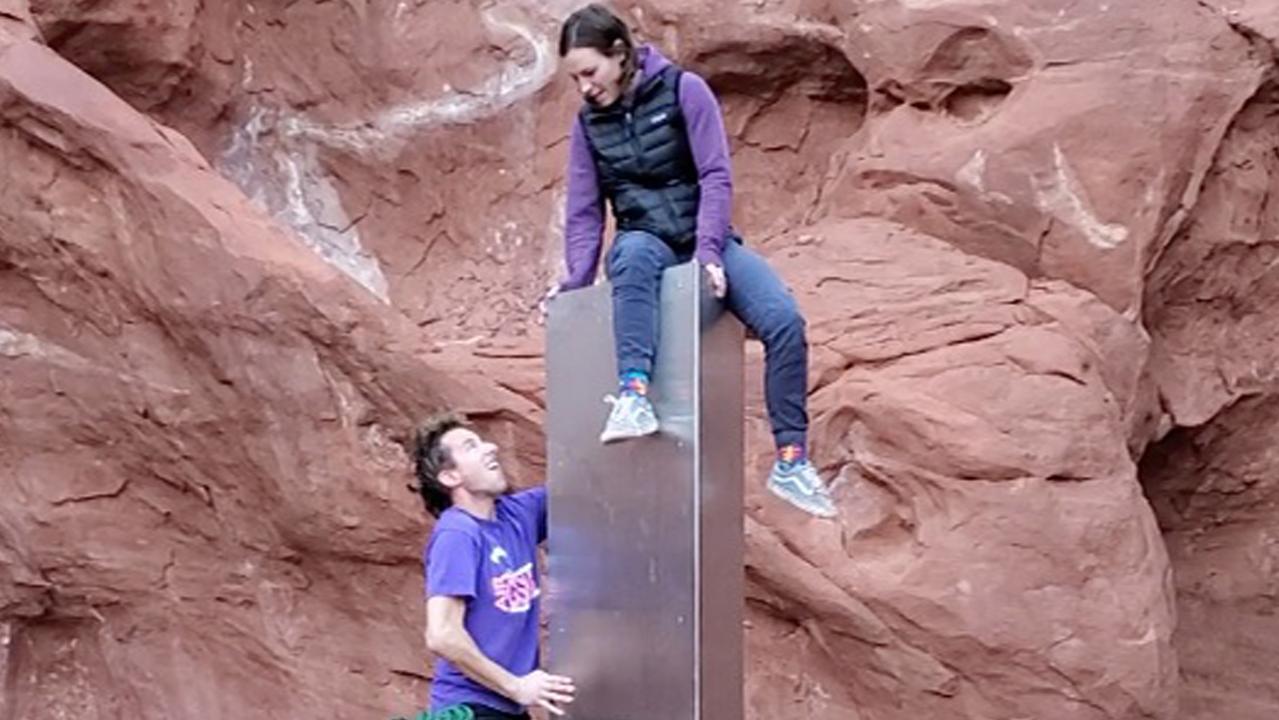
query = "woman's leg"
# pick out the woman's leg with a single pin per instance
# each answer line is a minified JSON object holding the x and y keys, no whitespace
{"x":635,"y":265}
{"x":759,"y":298}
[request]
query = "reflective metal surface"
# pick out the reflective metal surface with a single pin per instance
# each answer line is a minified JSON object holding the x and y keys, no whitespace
{"x":644,"y":589}
{"x":721,"y":582}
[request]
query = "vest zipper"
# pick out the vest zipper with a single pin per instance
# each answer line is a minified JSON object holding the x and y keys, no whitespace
{"x":634,"y":138}
{"x":672,"y":218}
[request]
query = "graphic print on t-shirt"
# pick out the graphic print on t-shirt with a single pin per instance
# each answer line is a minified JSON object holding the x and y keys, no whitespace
{"x":513,"y":590}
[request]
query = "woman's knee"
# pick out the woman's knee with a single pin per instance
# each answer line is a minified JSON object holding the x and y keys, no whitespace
{"x":782,"y":323}
{"x":635,"y":252}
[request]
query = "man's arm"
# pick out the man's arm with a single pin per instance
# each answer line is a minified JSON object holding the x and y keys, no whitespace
{"x":446,"y":636}
{"x":453,"y":559}
{"x":532,"y":505}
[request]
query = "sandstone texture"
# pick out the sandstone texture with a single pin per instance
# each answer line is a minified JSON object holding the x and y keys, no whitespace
{"x":244,"y":246}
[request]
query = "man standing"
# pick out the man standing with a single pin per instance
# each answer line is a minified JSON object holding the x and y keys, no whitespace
{"x":482,"y":582}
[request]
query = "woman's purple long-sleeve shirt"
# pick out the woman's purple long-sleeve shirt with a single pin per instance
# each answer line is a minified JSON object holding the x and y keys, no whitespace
{"x":584,"y":212}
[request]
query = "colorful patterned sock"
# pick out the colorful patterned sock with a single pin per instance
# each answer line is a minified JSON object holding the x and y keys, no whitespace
{"x":633,"y":382}
{"x":791,"y":455}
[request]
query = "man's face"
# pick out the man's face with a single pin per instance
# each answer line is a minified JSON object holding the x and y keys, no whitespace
{"x":598,"y":77}
{"x":475,"y":465}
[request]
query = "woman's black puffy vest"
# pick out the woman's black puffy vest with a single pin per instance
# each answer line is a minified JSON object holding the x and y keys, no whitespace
{"x":644,"y":163}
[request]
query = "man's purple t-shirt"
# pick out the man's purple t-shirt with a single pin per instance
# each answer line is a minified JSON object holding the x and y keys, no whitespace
{"x":492,"y":564}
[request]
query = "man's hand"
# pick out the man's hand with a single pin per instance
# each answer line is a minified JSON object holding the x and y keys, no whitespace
{"x":544,"y":690}
{"x":718,"y":281}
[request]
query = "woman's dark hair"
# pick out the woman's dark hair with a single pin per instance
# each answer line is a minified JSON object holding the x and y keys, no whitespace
{"x":430,"y":457}
{"x":595,"y":26}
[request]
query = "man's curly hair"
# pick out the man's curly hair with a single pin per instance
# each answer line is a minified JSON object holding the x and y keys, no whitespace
{"x":430,"y":457}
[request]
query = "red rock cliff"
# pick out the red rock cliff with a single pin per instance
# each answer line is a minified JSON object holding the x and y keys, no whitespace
{"x":244,"y":245}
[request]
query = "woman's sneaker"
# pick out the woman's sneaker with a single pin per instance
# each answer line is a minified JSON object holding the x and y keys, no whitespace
{"x":632,"y":417}
{"x":799,"y":484}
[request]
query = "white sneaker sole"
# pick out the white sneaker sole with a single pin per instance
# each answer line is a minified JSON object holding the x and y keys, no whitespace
{"x":781,"y":495}
{"x":606,"y":437}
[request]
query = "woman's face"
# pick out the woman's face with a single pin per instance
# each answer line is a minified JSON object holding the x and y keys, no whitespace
{"x":598,"y":76}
